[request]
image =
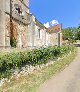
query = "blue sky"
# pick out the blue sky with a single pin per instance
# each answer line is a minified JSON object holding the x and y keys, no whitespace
{"x":66,"y":12}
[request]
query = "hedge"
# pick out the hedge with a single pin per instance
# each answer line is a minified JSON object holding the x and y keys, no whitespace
{"x":16,"y":60}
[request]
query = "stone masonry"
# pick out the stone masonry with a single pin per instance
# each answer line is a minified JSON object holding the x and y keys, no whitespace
{"x":17,"y":12}
{"x":16,"y":22}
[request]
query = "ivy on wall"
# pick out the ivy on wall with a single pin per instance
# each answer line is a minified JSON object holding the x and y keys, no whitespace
{"x":12,"y":29}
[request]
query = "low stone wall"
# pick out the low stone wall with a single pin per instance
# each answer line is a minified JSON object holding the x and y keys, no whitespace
{"x":29,"y":70}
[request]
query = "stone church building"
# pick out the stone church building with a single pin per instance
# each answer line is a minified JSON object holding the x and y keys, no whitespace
{"x":15,"y":21}
{"x":18,"y":27}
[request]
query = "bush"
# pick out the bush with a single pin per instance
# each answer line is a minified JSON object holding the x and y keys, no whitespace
{"x":12,"y":61}
{"x":13,"y":42}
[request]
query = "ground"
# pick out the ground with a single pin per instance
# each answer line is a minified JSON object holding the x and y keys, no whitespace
{"x":66,"y":81}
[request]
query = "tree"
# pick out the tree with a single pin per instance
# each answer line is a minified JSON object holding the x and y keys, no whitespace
{"x":67,"y":33}
{"x":70,"y":34}
{"x":78,"y":33}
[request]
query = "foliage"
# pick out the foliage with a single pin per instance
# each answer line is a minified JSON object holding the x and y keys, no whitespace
{"x":71,"y":34}
{"x":31,"y":82}
{"x":66,"y":33}
{"x":11,"y":61}
{"x":78,"y":34}
{"x":13,"y":42}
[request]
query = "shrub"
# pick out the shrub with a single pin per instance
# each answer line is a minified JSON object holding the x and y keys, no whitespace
{"x":12,"y":61}
{"x":13,"y":42}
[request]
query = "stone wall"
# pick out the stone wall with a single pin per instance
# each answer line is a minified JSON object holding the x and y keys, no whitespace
{"x":20,"y":21}
{"x":55,"y":35}
{"x":53,"y":39}
{"x":19,"y":32}
{"x":39,"y":35}
{"x":17,"y":22}
{"x":2,"y":23}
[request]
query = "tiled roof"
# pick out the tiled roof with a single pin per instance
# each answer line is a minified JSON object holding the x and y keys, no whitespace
{"x":55,"y":29}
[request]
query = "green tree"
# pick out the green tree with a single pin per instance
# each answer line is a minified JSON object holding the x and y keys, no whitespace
{"x":78,"y":34}
{"x":67,"y":33}
{"x":70,"y":34}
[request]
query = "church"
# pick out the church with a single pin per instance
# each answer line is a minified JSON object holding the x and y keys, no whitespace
{"x":19,"y":28}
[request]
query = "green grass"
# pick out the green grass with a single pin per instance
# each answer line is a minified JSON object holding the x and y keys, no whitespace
{"x":31,"y":83}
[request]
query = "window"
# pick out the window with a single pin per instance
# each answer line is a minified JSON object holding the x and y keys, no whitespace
{"x":18,"y":8}
{"x":39,"y":33}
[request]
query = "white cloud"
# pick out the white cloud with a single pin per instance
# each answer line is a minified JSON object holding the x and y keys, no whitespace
{"x":47,"y":25}
{"x":52,"y":23}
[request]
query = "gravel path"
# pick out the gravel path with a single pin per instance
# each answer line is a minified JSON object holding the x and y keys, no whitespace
{"x":66,"y":81}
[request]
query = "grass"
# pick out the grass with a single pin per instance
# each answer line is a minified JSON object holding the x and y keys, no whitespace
{"x":31,"y":83}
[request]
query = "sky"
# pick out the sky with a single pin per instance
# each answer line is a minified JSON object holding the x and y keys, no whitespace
{"x":66,"y":12}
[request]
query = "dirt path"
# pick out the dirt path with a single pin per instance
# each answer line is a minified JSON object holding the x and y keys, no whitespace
{"x":66,"y":81}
